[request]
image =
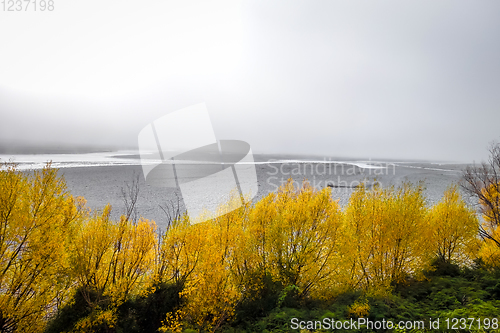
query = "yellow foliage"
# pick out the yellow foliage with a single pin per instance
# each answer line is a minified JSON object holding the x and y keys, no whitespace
{"x":385,"y":230}
{"x":179,"y":252}
{"x":211,"y":293}
{"x":172,"y":322}
{"x":112,"y":259}
{"x":359,"y":309}
{"x":490,"y":251}
{"x":299,"y":238}
{"x":107,"y":318}
{"x":490,"y":248}
{"x":453,"y":229}
{"x":37,"y":216}
{"x":296,"y":235}
{"x":490,"y":201}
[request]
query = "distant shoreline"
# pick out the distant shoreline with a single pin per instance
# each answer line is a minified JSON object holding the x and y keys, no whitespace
{"x":14,"y":150}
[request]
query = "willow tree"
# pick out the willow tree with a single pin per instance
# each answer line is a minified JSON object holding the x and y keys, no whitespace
{"x":482,"y":184}
{"x":37,"y":216}
{"x":388,"y":235}
{"x":454,"y":228}
{"x":304,"y":238}
{"x":111,"y":260}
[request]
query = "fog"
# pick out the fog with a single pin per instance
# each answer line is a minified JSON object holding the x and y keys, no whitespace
{"x":378,"y":79}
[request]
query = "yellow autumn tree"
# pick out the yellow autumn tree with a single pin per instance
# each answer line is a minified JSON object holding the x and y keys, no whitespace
{"x":387,"y":235}
{"x":489,"y":251}
{"x":110,"y":261}
{"x":482,"y":184}
{"x":211,"y":292}
{"x":491,"y":203}
{"x":490,"y":248}
{"x":178,"y":252}
{"x":294,"y":235}
{"x":454,"y":229}
{"x":37,"y":216}
{"x":304,"y":238}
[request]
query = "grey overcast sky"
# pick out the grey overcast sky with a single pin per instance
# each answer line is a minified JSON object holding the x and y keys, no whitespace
{"x":374,"y":79}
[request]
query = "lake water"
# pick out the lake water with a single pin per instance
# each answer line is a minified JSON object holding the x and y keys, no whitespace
{"x":101,"y":177}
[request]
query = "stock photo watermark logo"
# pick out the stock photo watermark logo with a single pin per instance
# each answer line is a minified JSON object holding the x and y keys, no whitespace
{"x":180,"y":150}
{"x":341,"y":176}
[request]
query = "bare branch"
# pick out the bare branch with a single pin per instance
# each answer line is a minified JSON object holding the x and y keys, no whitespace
{"x":172,"y":210}
{"x":482,"y":184}
{"x":130,"y":195}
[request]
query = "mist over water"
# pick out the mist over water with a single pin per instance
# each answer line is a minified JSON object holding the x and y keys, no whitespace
{"x":100,"y":177}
